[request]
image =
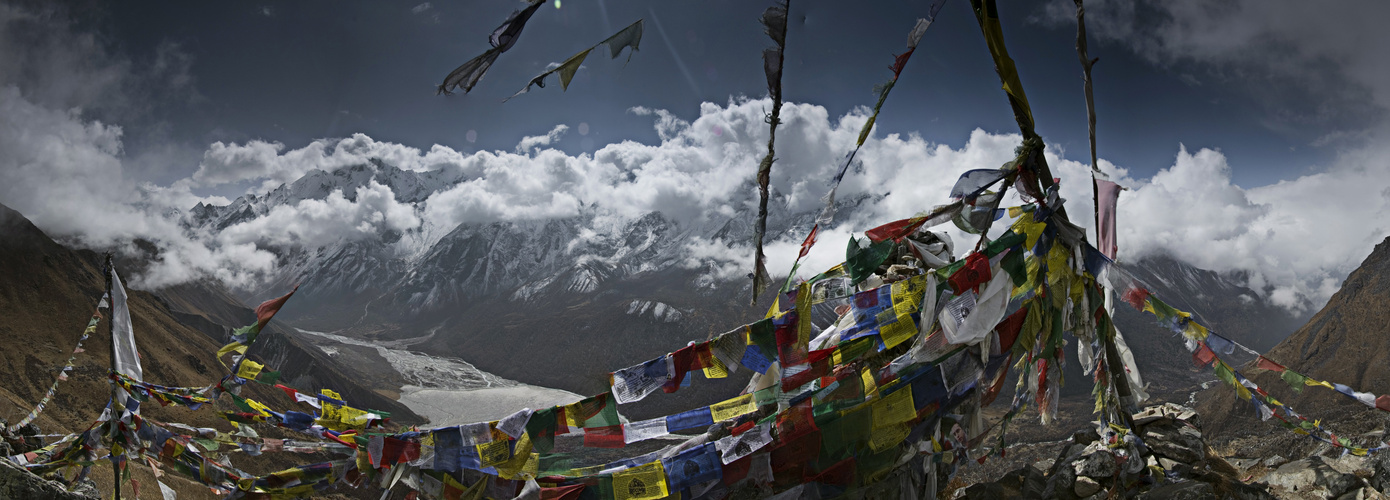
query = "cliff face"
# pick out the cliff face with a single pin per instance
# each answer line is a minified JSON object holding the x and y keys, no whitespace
{"x":1347,"y":342}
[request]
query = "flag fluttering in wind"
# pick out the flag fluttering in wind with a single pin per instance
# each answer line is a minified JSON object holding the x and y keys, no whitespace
{"x":630,"y":36}
{"x":126,"y":357}
{"x":502,"y":39}
{"x":244,"y":336}
{"x":775,"y":25}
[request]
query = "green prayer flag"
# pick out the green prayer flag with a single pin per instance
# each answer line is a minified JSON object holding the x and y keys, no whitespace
{"x":1294,"y":380}
{"x":763,"y":335}
{"x":541,"y":428}
{"x":862,"y":262}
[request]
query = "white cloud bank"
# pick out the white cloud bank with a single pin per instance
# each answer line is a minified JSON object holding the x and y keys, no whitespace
{"x":1295,"y":240}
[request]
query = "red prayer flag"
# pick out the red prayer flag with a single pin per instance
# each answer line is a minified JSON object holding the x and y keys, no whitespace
{"x":899,"y":61}
{"x":1010,"y":328}
{"x":736,"y":470}
{"x":972,"y":274}
{"x":1383,"y":403}
{"x":604,"y":437}
{"x":1136,"y":297}
{"x":742,"y":428}
{"x":570,"y":492}
{"x":809,"y":242}
{"x":1204,"y":356}
{"x":267,"y":309}
{"x":895,"y":230}
{"x":1266,"y":364}
{"x":840,"y":474}
{"x":704,"y":358}
{"x":681,"y":361}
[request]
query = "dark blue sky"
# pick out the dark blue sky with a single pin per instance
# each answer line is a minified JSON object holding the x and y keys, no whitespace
{"x":296,"y":71}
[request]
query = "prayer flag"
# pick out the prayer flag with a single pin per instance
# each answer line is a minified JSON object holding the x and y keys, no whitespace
{"x":1107,"y":194}
{"x":502,"y":39}
{"x":647,"y":482}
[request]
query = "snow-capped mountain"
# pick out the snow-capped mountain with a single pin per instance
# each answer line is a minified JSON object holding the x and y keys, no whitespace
{"x":590,"y":292}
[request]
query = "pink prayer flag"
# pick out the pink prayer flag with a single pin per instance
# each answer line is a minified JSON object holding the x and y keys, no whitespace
{"x":1107,"y":194}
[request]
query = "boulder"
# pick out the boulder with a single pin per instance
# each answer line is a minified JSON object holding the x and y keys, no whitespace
{"x":1085,"y":487}
{"x":1190,"y":490}
{"x":1274,"y":461}
{"x":1380,"y":469}
{"x":1178,"y":442}
{"x":1311,"y":476}
{"x":15,"y":482}
{"x":1097,"y":463}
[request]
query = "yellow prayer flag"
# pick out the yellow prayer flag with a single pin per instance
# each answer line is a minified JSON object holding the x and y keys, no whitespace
{"x":249,"y":369}
{"x":803,"y":314}
{"x":236,"y":347}
{"x":570,"y":67}
{"x":867,"y":378}
{"x":515,"y":467}
{"x":494,"y":453}
{"x":887,"y":437}
{"x":894,"y":408}
{"x":731,"y":408}
{"x":716,"y":369}
{"x":907,"y":294}
{"x":773,"y":311}
{"x":647,"y":482}
{"x":864,"y":132}
{"x":898,"y":331}
{"x":263,"y":410}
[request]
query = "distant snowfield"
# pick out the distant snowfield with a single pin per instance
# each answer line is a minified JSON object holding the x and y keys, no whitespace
{"x":450,"y":391}
{"x":446,"y":407}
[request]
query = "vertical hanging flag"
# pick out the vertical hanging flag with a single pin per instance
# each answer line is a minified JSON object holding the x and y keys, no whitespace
{"x":775,"y":25}
{"x":1107,"y":195}
{"x":630,"y":36}
{"x":502,"y":39}
{"x":126,"y":357}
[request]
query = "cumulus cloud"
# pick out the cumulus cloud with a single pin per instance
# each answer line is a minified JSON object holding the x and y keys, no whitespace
{"x":531,"y":142}
{"x":316,"y":223}
{"x":270,"y":163}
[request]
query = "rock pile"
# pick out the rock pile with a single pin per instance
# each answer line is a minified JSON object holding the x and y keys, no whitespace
{"x":1165,"y":459}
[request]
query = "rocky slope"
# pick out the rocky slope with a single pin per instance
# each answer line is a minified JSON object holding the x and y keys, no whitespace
{"x":47,"y":294}
{"x":1346,"y":342}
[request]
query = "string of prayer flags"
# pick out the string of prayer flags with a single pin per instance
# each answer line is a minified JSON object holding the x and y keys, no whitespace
{"x":502,"y":39}
{"x":630,"y":36}
{"x":899,"y":62}
{"x":775,"y":25}
{"x":63,"y":372}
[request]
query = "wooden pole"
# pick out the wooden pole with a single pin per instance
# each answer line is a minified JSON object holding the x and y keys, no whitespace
{"x":116,"y":406}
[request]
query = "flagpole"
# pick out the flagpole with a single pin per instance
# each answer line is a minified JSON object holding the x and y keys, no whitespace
{"x":114,"y":414}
